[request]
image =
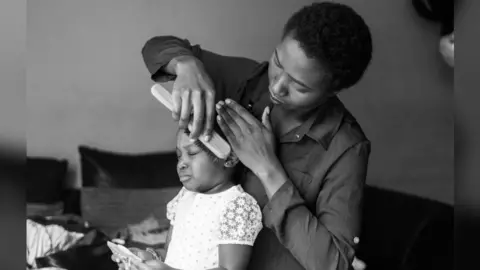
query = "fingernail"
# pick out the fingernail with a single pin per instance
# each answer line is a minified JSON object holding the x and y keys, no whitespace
{"x":219,"y":118}
{"x":228,"y":101}
{"x":207,"y":138}
{"x":218,"y":106}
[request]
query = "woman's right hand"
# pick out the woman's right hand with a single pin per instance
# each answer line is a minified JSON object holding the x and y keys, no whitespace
{"x":193,"y":93}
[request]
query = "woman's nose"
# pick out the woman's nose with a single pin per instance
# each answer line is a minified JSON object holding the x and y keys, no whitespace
{"x":278,"y":86}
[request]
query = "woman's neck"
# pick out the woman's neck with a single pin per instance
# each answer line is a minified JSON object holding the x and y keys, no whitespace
{"x":303,"y":114}
{"x":284,"y":120}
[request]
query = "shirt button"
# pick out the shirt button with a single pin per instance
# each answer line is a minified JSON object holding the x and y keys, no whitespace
{"x":356,"y":240}
{"x":297,"y":136}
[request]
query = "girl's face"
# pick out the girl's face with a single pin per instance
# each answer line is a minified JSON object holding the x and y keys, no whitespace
{"x":197,"y":171}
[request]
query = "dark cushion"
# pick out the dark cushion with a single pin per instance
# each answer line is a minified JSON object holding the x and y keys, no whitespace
{"x":71,"y":199}
{"x":102,"y":168}
{"x":40,"y":209}
{"x":111,"y":209}
{"x":402,"y":231}
{"x":45,"y":179}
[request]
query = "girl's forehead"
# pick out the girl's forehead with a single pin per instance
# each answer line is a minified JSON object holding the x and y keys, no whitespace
{"x":183,"y":141}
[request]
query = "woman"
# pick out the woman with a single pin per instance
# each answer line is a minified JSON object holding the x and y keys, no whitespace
{"x":307,"y":158}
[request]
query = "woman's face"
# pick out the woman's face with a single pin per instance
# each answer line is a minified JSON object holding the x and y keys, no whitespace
{"x":196,"y":170}
{"x":296,"y":81}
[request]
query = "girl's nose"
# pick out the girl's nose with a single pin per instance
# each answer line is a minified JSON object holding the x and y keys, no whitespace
{"x":182,"y":165}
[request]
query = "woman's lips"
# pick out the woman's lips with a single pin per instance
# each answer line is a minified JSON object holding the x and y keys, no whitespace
{"x":275,"y":99}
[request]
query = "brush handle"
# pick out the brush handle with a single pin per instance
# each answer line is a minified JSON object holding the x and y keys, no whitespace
{"x":217,"y":145}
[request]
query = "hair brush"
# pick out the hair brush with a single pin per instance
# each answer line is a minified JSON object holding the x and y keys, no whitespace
{"x":217,"y":146}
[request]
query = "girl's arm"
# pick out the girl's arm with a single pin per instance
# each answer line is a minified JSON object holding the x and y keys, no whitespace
{"x":233,"y":256}
{"x":240,"y":224}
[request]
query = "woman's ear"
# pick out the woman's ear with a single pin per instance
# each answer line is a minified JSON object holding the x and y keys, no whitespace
{"x":231,"y":160}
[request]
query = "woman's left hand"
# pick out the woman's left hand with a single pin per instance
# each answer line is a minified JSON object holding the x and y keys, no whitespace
{"x":251,"y":140}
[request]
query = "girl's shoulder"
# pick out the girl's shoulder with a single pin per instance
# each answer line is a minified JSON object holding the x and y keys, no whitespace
{"x":240,"y":220}
{"x":174,"y":205}
{"x":182,"y":195}
{"x":240,"y":198}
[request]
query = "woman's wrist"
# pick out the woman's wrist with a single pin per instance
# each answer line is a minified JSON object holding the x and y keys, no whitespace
{"x":181,"y":63}
{"x":272,"y":175}
{"x":269,"y":171}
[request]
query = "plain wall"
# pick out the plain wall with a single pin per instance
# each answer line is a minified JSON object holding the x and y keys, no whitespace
{"x":12,"y":78}
{"x":87,"y":84}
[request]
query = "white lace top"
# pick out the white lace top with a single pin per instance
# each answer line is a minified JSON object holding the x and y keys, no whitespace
{"x":203,"y":221}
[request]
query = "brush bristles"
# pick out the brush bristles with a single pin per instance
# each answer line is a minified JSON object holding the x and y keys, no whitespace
{"x":206,"y":150}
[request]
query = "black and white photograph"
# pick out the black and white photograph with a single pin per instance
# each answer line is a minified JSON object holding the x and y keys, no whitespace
{"x":239,"y":135}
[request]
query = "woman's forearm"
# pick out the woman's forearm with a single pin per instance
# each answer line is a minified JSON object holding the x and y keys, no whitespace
{"x":273,"y":176}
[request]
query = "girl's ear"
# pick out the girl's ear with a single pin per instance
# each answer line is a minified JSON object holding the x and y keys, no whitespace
{"x":231,"y":160}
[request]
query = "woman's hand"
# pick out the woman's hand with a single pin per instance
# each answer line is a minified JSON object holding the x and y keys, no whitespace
{"x":193,"y":92}
{"x":253,"y":141}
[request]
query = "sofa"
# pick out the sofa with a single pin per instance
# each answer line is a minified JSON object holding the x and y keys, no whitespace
{"x":399,"y":231}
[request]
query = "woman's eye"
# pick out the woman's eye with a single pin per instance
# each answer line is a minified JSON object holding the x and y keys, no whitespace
{"x":193,"y":153}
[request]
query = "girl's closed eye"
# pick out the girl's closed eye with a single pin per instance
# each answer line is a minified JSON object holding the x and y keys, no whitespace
{"x":193,"y":153}
{"x":188,"y":152}
{"x":192,"y":150}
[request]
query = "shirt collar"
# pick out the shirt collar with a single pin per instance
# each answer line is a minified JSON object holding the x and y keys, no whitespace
{"x":325,"y":123}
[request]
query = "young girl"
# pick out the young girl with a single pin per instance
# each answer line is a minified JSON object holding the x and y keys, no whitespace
{"x":214,"y":223}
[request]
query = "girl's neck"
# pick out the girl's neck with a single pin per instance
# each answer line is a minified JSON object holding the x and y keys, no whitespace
{"x":220,"y":187}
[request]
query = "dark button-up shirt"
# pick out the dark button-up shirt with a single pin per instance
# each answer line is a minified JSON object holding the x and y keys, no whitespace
{"x":313,"y":221}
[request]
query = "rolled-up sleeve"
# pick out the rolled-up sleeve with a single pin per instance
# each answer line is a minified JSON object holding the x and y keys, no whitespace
{"x":159,"y":51}
{"x":324,"y":239}
{"x":226,"y":72}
